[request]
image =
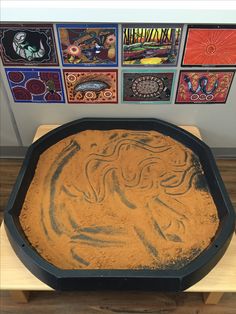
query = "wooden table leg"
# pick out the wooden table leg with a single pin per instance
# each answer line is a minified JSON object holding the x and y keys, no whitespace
{"x":212,"y":297}
{"x":19,"y":296}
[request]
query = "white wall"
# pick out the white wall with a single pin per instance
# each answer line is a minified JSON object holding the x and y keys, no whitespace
{"x":123,"y":11}
{"x":217,"y":122}
{"x":7,"y":133}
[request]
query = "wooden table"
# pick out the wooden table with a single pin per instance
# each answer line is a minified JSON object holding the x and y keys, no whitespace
{"x":18,"y":280}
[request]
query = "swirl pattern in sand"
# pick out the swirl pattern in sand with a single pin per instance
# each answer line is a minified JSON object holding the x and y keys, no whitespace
{"x":119,"y":199}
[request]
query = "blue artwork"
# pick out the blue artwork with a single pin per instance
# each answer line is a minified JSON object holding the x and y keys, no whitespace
{"x":35,"y":85}
{"x":88,"y":44}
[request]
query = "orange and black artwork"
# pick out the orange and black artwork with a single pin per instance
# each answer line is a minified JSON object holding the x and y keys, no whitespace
{"x":91,"y":86}
{"x":210,"y":46}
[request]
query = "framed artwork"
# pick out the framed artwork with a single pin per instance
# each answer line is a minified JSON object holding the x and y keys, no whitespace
{"x":150,"y":44}
{"x":204,"y":87}
{"x":35,"y":85}
{"x":210,"y":45}
{"x":27,"y":44}
{"x":147,"y":86}
{"x":88,"y":44}
{"x":91,"y":86}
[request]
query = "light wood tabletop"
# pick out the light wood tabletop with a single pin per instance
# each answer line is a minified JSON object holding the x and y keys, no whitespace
{"x":14,"y":276}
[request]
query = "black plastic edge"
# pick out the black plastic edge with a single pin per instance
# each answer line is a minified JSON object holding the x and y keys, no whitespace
{"x":63,"y":279}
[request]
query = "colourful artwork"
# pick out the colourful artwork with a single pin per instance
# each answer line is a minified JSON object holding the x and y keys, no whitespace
{"x":91,"y":87}
{"x":88,"y":44}
{"x":210,"y":46}
{"x":204,"y":86}
{"x":35,"y":85}
{"x":147,"y":86}
{"x":27,"y":44}
{"x":148,"y":45}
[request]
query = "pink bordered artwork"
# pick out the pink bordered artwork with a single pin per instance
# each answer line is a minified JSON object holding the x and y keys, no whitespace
{"x":204,"y":87}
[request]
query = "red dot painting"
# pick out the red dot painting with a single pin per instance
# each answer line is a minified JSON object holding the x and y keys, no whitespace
{"x":35,"y":86}
{"x":21,"y":93}
{"x":54,"y":96}
{"x":16,"y":77}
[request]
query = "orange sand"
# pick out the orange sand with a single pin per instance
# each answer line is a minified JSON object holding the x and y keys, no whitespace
{"x":119,"y":199}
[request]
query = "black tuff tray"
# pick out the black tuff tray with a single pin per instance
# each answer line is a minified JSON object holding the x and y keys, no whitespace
{"x":160,"y":280}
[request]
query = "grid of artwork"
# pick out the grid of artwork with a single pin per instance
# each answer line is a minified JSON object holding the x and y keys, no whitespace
{"x":118,"y":64}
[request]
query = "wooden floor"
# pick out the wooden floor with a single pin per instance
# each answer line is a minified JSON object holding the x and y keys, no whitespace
{"x":122,"y":302}
{"x":111,"y":302}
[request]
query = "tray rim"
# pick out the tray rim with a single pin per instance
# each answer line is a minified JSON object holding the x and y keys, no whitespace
{"x":55,"y":277}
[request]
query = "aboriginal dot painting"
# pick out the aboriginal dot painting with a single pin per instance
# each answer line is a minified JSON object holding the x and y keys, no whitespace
{"x":28,"y":44}
{"x":35,"y":85}
{"x":86,"y":86}
{"x":150,"y":44}
{"x":88,"y":45}
{"x":210,"y":46}
{"x":204,"y":86}
{"x":147,"y":86}
{"x":135,"y":63}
